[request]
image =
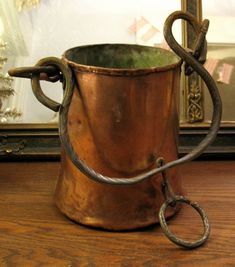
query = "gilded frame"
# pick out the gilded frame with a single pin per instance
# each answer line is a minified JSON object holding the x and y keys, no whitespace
{"x":193,"y":111}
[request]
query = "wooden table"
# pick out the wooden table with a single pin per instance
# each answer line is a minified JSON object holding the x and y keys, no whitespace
{"x":34,"y":233}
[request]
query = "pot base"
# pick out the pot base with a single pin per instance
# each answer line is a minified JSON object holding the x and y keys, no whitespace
{"x":112,"y":207}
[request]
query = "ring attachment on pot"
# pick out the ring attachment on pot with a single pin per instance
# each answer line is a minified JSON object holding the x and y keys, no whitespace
{"x":172,"y":200}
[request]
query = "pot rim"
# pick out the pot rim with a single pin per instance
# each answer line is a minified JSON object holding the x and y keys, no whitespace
{"x":119,"y":71}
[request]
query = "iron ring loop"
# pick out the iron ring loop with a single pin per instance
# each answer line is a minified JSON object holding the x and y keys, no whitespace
{"x":171,"y":236}
{"x":35,"y":81}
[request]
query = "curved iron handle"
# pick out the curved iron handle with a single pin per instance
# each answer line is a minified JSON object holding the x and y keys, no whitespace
{"x":188,"y":58}
{"x":55,"y":69}
{"x":68,"y":88}
{"x":68,"y":85}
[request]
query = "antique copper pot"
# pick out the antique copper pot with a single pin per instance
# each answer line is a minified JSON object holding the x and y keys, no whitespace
{"x":122,"y":117}
{"x":118,"y":126}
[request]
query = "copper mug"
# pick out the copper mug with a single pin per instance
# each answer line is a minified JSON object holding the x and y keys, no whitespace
{"x":119,"y":130}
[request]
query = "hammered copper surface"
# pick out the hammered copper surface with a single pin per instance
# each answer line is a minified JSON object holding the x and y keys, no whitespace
{"x":119,"y":125}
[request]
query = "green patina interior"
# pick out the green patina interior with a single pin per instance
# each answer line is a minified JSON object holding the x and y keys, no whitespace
{"x":121,"y":56}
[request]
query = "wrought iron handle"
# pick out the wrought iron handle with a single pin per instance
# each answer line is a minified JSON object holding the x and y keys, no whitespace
{"x":193,"y":62}
{"x":68,"y":81}
{"x":45,"y":69}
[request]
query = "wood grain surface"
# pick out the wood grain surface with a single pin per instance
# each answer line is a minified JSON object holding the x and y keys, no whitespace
{"x":34,"y":233}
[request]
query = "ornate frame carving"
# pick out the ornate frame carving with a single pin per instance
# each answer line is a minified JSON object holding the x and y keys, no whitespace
{"x":193,"y":94}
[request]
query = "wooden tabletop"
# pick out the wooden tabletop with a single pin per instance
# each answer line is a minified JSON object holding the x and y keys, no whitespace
{"x":33,"y":232}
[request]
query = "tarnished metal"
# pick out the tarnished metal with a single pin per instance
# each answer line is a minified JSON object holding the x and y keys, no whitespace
{"x":115,"y":121}
{"x":52,"y":73}
{"x":200,"y":49}
{"x":171,"y":199}
{"x":171,"y":236}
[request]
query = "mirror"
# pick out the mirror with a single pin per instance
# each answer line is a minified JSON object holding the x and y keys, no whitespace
{"x":33,"y":29}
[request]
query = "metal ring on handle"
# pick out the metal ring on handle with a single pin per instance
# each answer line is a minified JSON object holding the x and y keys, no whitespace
{"x":171,"y":200}
{"x":171,"y":236}
{"x":64,"y":107}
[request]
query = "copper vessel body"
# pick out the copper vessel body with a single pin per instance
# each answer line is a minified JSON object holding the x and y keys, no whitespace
{"x":119,"y":123}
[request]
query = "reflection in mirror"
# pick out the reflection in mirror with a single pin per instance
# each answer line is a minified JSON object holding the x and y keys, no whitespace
{"x":53,"y":26}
